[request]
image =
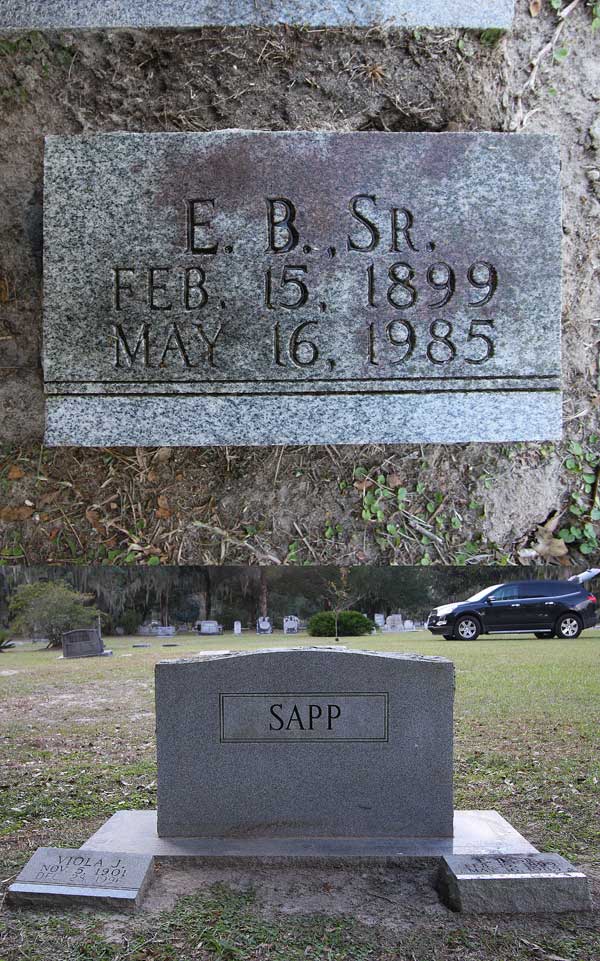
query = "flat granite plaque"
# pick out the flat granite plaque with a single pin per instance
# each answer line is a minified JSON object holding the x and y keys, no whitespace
{"x":74,"y":876}
{"x":513,"y":883}
{"x":29,"y":14}
{"x":240,"y":287}
{"x":305,"y":743}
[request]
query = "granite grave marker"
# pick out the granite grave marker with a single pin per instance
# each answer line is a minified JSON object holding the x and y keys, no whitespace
{"x":240,"y":287}
{"x":313,"y":742}
{"x":84,"y":643}
{"x":513,"y":883}
{"x":96,"y":878}
{"x":30,"y":14}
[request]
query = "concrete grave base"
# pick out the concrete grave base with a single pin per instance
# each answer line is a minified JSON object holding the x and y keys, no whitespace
{"x":475,"y":832}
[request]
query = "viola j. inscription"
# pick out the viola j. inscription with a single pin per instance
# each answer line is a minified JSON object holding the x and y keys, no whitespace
{"x":254,"y":718}
{"x":282,"y":266}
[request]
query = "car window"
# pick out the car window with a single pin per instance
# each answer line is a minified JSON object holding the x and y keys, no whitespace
{"x":506,"y":593}
{"x":536,"y":589}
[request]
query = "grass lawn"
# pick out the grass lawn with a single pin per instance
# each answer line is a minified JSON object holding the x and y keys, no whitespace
{"x":78,"y":744}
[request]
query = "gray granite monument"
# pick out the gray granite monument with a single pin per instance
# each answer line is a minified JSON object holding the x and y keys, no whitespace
{"x":305,"y":743}
{"x":99,"y":879}
{"x":209,"y":627}
{"x":326,"y":754}
{"x":30,"y":14}
{"x":84,"y":643}
{"x":240,"y":287}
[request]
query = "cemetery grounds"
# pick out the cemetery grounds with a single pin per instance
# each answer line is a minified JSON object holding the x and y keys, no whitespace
{"x":78,"y":744}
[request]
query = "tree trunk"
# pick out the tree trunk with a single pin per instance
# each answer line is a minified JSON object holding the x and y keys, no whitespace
{"x":164,"y":607}
{"x":263,"y":601}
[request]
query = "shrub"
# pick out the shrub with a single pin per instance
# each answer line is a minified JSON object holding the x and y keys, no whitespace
{"x":350,"y":624}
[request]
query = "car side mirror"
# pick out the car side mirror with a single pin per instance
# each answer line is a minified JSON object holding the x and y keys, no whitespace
{"x":490,"y":599}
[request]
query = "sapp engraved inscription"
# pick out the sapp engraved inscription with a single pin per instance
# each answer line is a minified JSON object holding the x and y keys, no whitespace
{"x":252,"y":718}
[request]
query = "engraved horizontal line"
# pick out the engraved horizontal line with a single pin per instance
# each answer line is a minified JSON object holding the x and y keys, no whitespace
{"x":317,"y":380}
{"x":315,"y":393}
{"x":533,"y":875}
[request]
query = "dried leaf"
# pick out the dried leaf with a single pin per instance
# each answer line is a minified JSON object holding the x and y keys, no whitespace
{"x":15,"y":472}
{"x":534,"y":7}
{"x":164,"y":511}
{"x":364,"y":484}
{"x":15,"y":513}
{"x":394,"y":480}
{"x":163,"y":454}
{"x":548,"y":546}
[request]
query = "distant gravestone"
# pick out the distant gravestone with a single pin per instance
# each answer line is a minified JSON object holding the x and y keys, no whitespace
{"x":37,"y":14}
{"x":84,"y":643}
{"x":100,"y":879}
{"x":156,"y":630}
{"x":290,"y":624}
{"x":244,"y":287}
{"x":379,"y":620}
{"x":409,"y":625}
{"x":209,"y":627}
{"x":513,"y":884}
{"x":305,"y":742}
{"x":237,"y":627}
{"x":394,"y":622}
{"x":263,"y":626}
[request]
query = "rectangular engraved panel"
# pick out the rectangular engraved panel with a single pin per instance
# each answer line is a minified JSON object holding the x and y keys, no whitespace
{"x":242,"y":287}
{"x":253,"y":718}
{"x":27,"y":14}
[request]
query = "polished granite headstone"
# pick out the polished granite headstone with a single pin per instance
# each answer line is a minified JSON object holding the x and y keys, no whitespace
{"x":513,"y":884}
{"x":309,"y":743}
{"x":240,"y":287}
{"x":100,"y":879}
{"x":28,"y":14}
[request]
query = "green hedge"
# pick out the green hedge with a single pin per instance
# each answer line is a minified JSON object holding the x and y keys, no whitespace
{"x":350,"y":624}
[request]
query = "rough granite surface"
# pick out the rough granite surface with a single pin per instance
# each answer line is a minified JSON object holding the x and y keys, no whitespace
{"x":69,"y":875}
{"x":305,"y":743}
{"x":27,"y":14}
{"x":534,"y":883}
{"x":251,"y":287}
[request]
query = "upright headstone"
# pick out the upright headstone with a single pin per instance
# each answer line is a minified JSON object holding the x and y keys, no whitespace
{"x":379,"y":620}
{"x":84,"y":643}
{"x":239,"y":287}
{"x":237,"y":628}
{"x":409,"y":625}
{"x":37,"y":14}
{"x":305,"y":743}
{"x":263,"y":626}
{"x":99,"y":879}
{"x":290,"y":624}
{"x":394,"y":622}
{"x":209,"y":627}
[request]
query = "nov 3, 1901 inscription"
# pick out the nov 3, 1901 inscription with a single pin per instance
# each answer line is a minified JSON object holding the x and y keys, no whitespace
{"x":243,"y":287}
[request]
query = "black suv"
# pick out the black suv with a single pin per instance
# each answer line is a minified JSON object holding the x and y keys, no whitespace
{"x":544,"y":608}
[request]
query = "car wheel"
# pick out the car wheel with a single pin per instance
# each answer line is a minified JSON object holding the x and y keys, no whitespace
{"x":569,"y":627}
{"x":467,"y":628}
{"x":543,"y":635}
